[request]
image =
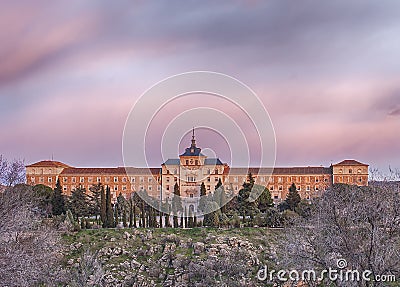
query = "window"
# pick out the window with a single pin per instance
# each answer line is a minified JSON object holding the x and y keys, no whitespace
{"x":65,"y":188}
{"x":208,"y":187}
{"x":360,"y":179}
{"x":49,"y":179}
{"x":124,"y":179}
{"x":280,"y":188}
{"x":167,"y":187}
{"x":276,"y":196}
{"x":41,"y":179}
{"x":132,"y":179}
{"x":64,"y":179}
{"x":208,"y":179}
{"x":141,"y":179}
{"x":279,"y":179}
{"x":175,"y":179}
{"x":216,"y":179}
{"x":316,"y":179}
{"x":187,"y":162}
{"x":298,"y":188}
{"x":115,"y":179}
{"x":50,"y":170}
{"x":236,"y":187}
{"x":308,"y":188}
{"x":90,"y":179}
{"x":158,"y":187}
{"x":168,"y":179}
{"x":271,"y":188}
{"x":115,"y":187}
{"x":197,"y":162}
{"x":359,"y":170}
{"x":149,"y":188}
{"x":191,"y":178}
{"x":107,"y":179}
{"x":73,"y":179}
{"x":32,"y":179}
{"x":99,"y":179}
{"x":316,"y":188}
{"x":191,"y":195}
{"x":150,"y":179}
{"x":81,"y":179}
{"x":124,"y":187}
{"x":340,"y":170}
{"x":326,"y":180}
{"x":350,"y":171}
{"x":271,"y":179}
{"x":216,"y":171}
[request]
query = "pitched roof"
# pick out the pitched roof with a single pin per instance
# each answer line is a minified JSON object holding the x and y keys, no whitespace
{"x":212,"y":161}
{"x":350,"y":162}
{"x":172,"y":161}
{"x":48,"y":163}
{"x":196,"y":152}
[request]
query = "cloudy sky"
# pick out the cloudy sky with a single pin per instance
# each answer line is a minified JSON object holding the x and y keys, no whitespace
{"x":328,"y":72}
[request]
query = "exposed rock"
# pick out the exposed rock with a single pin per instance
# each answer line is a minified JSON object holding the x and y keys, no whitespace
{"x":198,"y":248}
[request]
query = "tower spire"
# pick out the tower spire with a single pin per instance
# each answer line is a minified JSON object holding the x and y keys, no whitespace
{"x":193,"y":139}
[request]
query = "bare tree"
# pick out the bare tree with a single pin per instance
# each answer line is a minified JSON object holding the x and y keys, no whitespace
{"x":11,"y":173}
{"x":358,"y":224}
{"x":88,"y":272}
{"x":30,"y":245}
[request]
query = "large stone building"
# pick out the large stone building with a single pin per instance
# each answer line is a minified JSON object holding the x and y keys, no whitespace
{"x":193,"y":168}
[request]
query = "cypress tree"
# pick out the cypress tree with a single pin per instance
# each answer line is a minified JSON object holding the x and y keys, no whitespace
{"x":58,"y":202}
{"x":130,"y":212}
{"x":116,"y":215}
{"x":176,"y":204}
{"x":109,"y":209}
{"x":124,"y":218}
{"x":103,"y":204}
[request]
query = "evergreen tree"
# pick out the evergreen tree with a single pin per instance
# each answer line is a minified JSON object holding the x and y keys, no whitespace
{"x":78,"y":203}
{"x":265,"y":201}
{"x":58,"y":202}
{"x":176,"y":204}
{"x":94,"y":200}
{"x":116,"y":215}
{"x":194,"y":220}
{"x":203,"y":197}
{"x":246,"y":206}
{"x":130,"y":212}
{"x":223,"y":200}
{"x":103,"y":206}
{"x":109,"y":222}
{"x":293,"y":197}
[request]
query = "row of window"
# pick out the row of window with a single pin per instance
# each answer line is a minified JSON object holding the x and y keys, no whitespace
{"x":350,"y":171}
{"x":107,"y":179}
{"x":115,"y":188}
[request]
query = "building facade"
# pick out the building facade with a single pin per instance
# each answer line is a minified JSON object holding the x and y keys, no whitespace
{"x":193,"y":168}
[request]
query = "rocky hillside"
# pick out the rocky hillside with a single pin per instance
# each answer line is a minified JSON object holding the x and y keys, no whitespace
{"x":170,"y":257}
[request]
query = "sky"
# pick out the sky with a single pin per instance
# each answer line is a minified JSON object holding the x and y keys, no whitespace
{"x":326,"y":71}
